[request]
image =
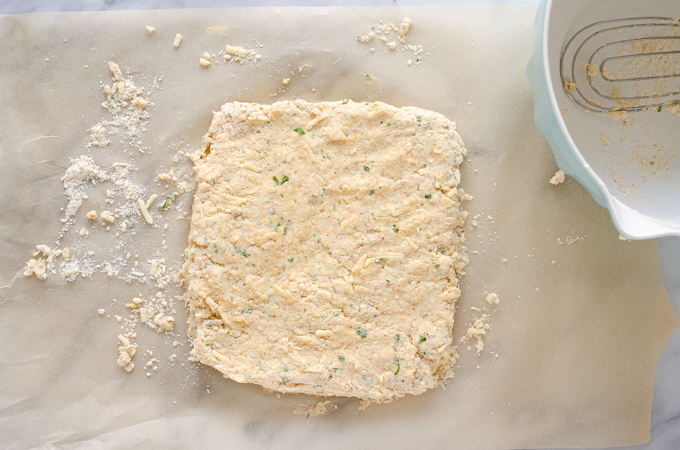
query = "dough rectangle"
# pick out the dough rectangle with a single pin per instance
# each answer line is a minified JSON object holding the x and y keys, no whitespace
{"x":326,"y":246}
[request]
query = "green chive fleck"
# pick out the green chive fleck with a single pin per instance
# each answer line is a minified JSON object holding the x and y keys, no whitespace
{"x":167,"y":201}
{"x":361,"y":332}
{"x":428,"y":196}
{"x":419,"y":118}
{"x":422,"y":339}
{"x":436,"y":266}
{"x":659,"y":110}
{"x":397,"y":337}
{"x":396,"y":361}
{"x":344,"y":102}
{"x":367,"y":169}
{"x":242,"y":252}
{"x":341,"y":358}
{"x":290,"y":260}
{"x":300,"y":130}
{"x":284,"y":179}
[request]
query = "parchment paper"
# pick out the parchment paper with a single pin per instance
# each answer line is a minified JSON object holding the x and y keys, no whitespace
{"x":582,"y":319}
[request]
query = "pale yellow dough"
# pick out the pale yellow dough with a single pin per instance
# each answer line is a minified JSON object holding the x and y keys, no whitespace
{"x":326,"y":246}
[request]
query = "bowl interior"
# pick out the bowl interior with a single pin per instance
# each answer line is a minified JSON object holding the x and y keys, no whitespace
{"x":636,"y":155}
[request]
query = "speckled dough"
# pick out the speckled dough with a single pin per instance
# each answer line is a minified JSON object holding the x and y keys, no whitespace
{"x":326,"y":246}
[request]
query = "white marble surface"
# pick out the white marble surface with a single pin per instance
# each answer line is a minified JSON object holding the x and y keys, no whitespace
{"x":666,"y":407}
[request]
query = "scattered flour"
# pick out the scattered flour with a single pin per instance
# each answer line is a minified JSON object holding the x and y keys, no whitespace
{"x":571,"y":239}
{"x":386,"y":34}
{"x":127,"y":105}
{"x":237,"y":54}
{"x":81,"y":173}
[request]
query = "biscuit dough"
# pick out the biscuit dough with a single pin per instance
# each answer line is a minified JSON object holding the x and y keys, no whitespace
{"x":326,"y":246}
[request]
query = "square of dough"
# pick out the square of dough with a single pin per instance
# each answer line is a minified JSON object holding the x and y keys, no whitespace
{"x":326,"y":246}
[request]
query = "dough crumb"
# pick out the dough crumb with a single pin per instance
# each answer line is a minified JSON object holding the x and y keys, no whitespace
{"x":623,"y":238}
{"x":386,"y":34}
{"x":166,"y":323}
{"x":368,"y":38}
{"x":618,"y":115}
{"x":305,"y":69}
{"x":404,"y":28}
{"x":311,"y":411}
{"x":363,"y":404}
{"x":178,"y":40}
{"x":150,"y":29}
{"x":41,"y":267}
{"x":558,"y":178}
{"x":101,"y":311}
{"x":478,"y":330}
{"x":36,"y":267}
{"x":92,"y":215}
{"x":237,"y":54}
{"x":492,"y":299}
{"x":106,"y":215}
{"x":126,"y":351}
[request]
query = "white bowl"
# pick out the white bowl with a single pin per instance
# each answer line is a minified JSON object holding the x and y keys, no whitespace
{"x":630,"y":167}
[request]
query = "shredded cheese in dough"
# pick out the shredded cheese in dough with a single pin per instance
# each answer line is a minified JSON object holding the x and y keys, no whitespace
{"x":144,"y":208}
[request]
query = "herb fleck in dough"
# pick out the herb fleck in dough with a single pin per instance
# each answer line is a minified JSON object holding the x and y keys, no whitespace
{"x":326,"y":246}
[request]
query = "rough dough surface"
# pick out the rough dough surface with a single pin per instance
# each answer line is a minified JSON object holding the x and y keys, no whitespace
{"x":326,"y":246}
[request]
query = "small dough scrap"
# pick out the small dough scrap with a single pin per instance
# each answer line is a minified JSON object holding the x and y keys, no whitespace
{"x":492,"y":299}
{"x":558,"y":178}
{"x":36,"y":267}
{"x":478,"y":330}
{"x":107,"y":216}
{"x":312,"y":411}
{"x":404,"y":28}
{"x":178,"y":40}
{"x":333,"y":268}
